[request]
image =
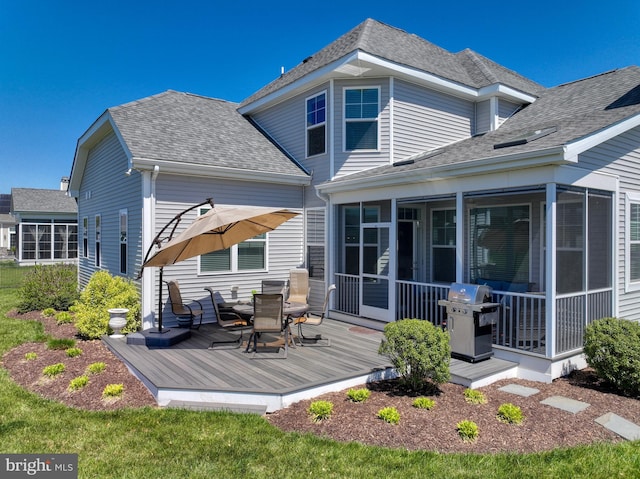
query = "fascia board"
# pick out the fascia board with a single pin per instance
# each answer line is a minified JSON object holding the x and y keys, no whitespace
{"x":90,"y":138}
{"x":574,"y":148}
{"x":323,"y":73}
{"x":191,"y":169}
{"x":479,"y":166}
{"x":497,"y":89}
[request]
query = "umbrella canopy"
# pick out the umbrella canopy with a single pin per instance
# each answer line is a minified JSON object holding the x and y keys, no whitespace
{"x":220,"y":228}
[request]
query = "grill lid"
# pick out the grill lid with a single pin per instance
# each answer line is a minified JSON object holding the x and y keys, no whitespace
{"x":469,"y":293}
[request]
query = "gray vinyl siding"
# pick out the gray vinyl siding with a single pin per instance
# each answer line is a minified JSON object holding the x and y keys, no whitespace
{"x":285,"y":244}
{"x":427,"y":119}
{"x":506,"y":109}
{"x":483,"y":117}
{"x":620,"y":157}
{"x":104,"y":191}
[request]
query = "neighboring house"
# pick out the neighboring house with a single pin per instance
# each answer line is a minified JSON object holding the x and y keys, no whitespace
{"x":7,"y":225}
{"x":46,"y":226}
{"x":414,"y":168}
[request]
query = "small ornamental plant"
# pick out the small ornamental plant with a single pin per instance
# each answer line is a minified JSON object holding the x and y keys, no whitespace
{"x":73,"y":352}
{"x":112,"y":391}
{"x":320,"y":410}
{"x":96,"y":368}
{"x":53,"y":370}
{"x":510,"y":414}
{"x":64,"y":317}
{"x":61,"y":343}
{"x":358,"y":395}
{"x":78,"y":383}
{"x":48,"y":312}
{"x":468,"y":430}
{"x":30,"y":356}
{"x":424,"y":403}
{"x":389,"y":414}
{"x":473,"y":396}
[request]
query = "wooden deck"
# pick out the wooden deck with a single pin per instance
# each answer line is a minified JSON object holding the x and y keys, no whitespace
{"x":190,"y":374}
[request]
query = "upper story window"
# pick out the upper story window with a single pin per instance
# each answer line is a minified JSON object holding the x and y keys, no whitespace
{"x":317,"y":124}
{"x":361,"y":108}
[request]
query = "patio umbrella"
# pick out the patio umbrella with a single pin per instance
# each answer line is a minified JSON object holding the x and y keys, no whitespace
{"x":220,"y":228}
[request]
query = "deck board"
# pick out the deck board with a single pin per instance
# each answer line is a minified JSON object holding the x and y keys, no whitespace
{"x":190,"y":367}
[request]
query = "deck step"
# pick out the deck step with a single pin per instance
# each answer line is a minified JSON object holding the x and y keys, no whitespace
{"x":217,"y":406}
{"x":482,"y":373}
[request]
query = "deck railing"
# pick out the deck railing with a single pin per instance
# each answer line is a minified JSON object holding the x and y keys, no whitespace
{"x":521,"y":321}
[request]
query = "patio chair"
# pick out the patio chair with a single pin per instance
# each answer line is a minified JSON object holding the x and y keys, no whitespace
{"x":314,"y":319}
{"x":299,"y":286}
{"x":185,"y":312}
{"x":268,"y":318}
{"x":227,"y":319}
{"x":270,"y":286}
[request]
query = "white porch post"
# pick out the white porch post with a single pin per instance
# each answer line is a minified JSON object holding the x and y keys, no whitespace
{"x":459,"y":237}
{"x":550,"y":271}
{"x":149,"y":274}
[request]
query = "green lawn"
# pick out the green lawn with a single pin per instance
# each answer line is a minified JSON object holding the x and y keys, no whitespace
{"x":171,"y":443}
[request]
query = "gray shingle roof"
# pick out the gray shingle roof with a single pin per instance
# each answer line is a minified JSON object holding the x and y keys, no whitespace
{"x":384,"y":41}
{"x":43,"y":201}
{"x":187,"y":128}
{"x":575,"y":110}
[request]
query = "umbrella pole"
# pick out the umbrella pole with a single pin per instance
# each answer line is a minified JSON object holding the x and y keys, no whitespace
{"x":160,"y":330}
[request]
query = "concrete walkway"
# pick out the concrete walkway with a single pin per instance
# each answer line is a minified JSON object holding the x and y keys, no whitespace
{"x":611,"y":421}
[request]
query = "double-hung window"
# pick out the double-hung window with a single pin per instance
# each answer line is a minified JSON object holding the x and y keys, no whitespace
{"x":123,"y":240}
{"x":361,"y":109}
{"x":633,"y":212}
{"x":250,"y":255}
{"x":98,"y":224}
{"x":317,"y":124}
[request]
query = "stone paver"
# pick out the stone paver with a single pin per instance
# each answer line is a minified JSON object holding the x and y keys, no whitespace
{"x":620,"y":426}
{"x":566,"y":404}
{"x":519,"y":390}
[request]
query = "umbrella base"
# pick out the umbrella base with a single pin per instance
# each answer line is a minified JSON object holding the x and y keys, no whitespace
{"x":165,"y":338}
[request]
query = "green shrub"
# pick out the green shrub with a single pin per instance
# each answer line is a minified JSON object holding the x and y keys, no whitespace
{"x":424,"y":403}
{"x":468,"y":430}
{"x":96,"y":368}
{"x":510,"y":414}
{"x":113,"y":390}
{"x":473,"y":396}
{"x":320,"y":410}
{"x":73,"y":352}
{"x":48,"y":312}
{"x":389,"y":414}
{"x":102,"y":293}
{"x":48,"y":286}
{"x":418,"y":350}
{"x":60,"y":343}
{"x":78,"y":383}
{"x":612,"y":349}
{"x":358,"y":395}
{"x":30,"y":356}
{"x":64,"y":317}
{"x":53,"y":370}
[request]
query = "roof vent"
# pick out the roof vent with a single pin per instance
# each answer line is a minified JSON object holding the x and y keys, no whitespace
{"x":527,"y":137}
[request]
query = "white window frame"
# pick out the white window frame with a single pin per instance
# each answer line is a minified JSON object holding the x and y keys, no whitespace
{"x":315,"y":232}
{"x":346,"y":120}
{"x":308,"y":127}
{"x":234,"y":257}
{"x":97,"y":221}
{"x":85,"y":236}
{"x":630,"y":285}
{"x":123,"y":215}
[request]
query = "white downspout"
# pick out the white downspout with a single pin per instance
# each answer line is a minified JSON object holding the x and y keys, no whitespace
{"x":148,"y":233}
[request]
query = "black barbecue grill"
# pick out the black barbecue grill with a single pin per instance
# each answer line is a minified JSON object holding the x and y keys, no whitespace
{"x":470,"y":317}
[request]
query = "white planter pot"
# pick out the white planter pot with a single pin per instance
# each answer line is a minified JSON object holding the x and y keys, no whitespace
{"x":117,"y":321}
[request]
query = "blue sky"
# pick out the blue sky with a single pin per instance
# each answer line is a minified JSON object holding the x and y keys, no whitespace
{"x":63,"y":62}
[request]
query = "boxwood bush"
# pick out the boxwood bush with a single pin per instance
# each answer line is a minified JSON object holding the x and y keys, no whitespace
{"x":48,"y":287}
{"x":612,"y":349}
{"x":419,"y":351}
{"x":102,"y":293}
